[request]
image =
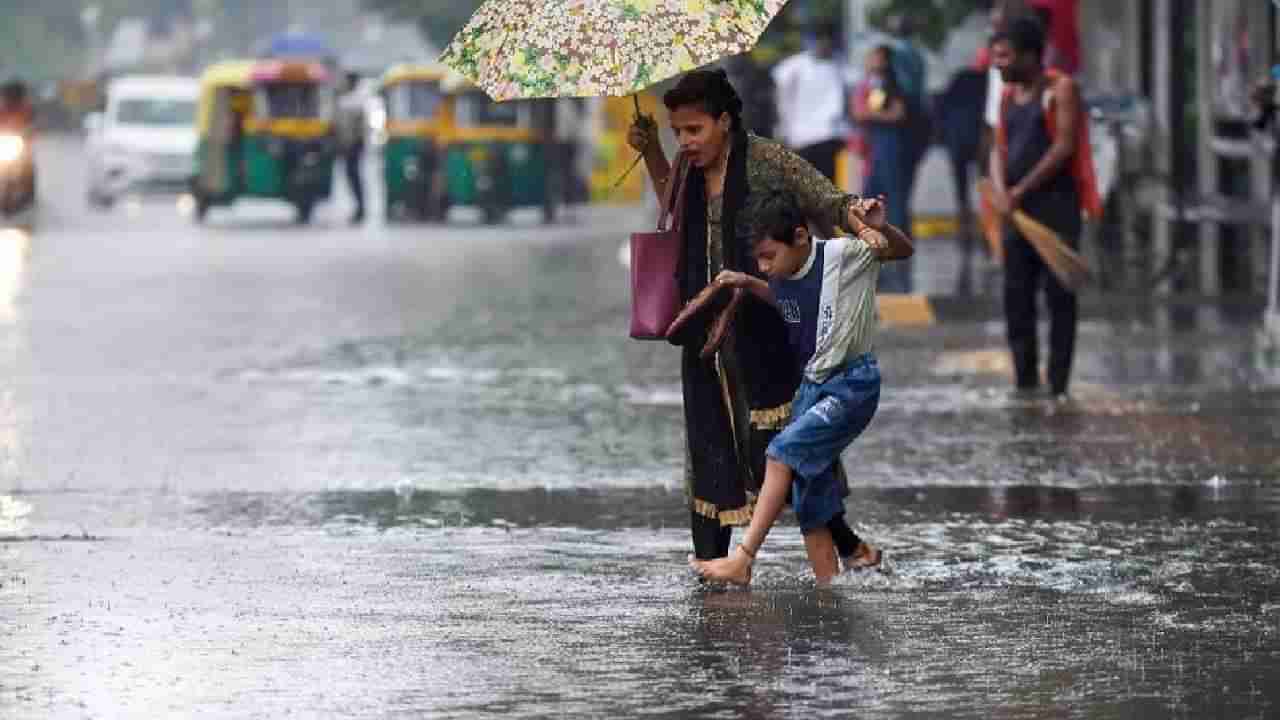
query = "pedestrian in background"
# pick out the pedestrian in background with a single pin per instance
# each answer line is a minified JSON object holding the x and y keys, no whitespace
{"x":958,"y":112}
{"x":880,"y":109}
{"x":911,"y":72}
{"x":351,"y":131}
{"x":1038,"y":166}
{"x":810,"y":89}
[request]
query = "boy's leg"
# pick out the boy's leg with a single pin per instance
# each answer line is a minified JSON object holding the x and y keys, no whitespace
{"x":773,"y":496}
{"x":822,"y":554}
{"x":855,"y":553}
{"x":845,"y":539}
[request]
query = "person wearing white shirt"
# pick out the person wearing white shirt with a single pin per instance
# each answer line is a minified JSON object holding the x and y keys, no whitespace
{"x":811,"y":103}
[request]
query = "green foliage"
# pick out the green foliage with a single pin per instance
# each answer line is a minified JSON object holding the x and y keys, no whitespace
{"x":438,"y":19}
{"x":40,"y":45}
{"x":933,"y":18}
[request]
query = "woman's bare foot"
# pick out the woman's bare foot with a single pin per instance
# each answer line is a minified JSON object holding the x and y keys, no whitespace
{"x":734,"y":569}
{"x":865,"y":557}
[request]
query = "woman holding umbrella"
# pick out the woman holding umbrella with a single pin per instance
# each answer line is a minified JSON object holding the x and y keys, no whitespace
{"x":736,"y":399}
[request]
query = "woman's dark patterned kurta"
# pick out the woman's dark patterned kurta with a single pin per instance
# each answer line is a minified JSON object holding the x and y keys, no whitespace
{"x":736,"y":401}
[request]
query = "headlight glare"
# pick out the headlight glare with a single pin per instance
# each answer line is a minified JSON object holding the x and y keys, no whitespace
{"x":11,"y":147}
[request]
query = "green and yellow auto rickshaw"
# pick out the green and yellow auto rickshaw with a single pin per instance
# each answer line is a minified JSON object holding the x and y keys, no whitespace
{"x":495,"y":160}
{"x":419,"y":116}
{"x":266,"y":131}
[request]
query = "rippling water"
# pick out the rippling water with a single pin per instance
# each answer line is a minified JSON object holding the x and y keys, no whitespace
{"x":332,"y":473}
{"x":1140,"y":601}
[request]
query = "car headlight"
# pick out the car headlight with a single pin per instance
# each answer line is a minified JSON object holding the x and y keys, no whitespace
{"x":11,"y":147}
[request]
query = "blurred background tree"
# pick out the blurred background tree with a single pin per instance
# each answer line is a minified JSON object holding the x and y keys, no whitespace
{"x":42,"y":41}
{"x":933,"y":19}
{"x":437,"y":19}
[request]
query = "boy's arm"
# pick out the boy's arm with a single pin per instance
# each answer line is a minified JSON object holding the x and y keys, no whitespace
{"x":752,"y":284}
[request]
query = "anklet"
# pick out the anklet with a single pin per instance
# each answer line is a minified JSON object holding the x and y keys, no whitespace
{"x":748,"y":552}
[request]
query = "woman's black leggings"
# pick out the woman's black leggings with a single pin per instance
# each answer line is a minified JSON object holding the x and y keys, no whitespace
{"x":711,"y":539}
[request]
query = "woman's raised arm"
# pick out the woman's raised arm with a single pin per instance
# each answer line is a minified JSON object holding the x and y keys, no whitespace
{"x":820,"y":200}
{"x":643,"y":138}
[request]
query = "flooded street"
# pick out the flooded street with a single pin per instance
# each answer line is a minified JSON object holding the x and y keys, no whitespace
{"x":253,"y":469}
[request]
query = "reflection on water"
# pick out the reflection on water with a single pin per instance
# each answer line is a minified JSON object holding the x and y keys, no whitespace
{"x":15,"y":244}
{"x":658,"y":508}
{"x":1129,"y":601}
{"x":13,"y":516}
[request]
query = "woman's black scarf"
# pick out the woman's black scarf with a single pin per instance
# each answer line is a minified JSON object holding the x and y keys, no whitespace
{"x":726,"y":464}
{"x":693,"y":268}
{"x":764,"y":354}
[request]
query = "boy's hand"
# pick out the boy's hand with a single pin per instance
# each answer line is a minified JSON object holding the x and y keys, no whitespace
{"x":868,"y":211}
{"x":733,"y":279}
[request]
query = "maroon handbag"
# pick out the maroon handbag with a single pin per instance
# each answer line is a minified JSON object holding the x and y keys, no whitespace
{"x":655,"y":290}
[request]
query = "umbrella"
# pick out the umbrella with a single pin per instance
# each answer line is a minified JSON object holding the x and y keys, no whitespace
{"x":589,"y":48}
{"x":298,"y":45}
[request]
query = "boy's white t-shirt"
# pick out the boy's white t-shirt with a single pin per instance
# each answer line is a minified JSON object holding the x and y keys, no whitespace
{"x":846,"y":315}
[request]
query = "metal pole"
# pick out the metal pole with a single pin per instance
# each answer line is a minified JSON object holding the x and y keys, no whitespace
{"x":1167,"y":145}
{"x":855,"y":25}
{"x":1177,"y":127}
{"x":1273,"y":284}
{"x":1208,"y":229}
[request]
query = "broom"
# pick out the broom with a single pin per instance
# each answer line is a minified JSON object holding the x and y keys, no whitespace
{"x":1065,"y":263}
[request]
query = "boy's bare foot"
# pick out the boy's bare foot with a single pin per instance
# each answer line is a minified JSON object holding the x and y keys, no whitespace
{"x":734,"y":569}
{"x":865,"y":557}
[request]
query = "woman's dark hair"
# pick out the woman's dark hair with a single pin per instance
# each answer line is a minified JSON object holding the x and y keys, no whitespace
{"x":890,"y":71}
{"x":1024,"y":34}
{"x":777,"y":217}
{"x":711,"y":91}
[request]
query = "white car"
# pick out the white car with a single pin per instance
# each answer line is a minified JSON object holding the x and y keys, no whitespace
{"x":146,"y":139}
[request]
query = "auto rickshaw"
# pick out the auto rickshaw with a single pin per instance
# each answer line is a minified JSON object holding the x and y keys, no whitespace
{"x":419,"y":117}
{"x":266,"y":131}
{"x":495,"y":159}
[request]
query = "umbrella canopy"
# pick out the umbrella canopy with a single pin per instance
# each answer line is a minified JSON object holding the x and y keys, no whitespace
{"x":298,"y":45}
{"x":588,"y":48}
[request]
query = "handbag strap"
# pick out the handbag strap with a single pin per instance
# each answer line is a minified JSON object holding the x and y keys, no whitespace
{"x":672,"y":198}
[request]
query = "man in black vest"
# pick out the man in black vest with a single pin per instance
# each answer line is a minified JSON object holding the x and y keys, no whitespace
{"x":1031,"y":170}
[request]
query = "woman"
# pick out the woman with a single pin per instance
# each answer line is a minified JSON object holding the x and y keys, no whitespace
{"x":881,"y":109}
{"x":738,"y":398}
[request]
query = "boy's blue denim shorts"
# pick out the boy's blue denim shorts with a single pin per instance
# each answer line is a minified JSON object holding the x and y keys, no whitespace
{"x":825,"y":418}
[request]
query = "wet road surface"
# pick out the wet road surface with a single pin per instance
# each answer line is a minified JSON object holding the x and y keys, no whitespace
{"x":256,"y":470}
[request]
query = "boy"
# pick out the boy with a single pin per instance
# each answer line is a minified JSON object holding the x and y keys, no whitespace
{"x":826,"y":292}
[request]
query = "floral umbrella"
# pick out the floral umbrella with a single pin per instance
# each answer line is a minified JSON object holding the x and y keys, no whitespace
{"x":588,"y":48}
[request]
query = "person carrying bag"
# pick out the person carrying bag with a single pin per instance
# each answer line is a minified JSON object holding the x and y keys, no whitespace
{"x":655,"y":260}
